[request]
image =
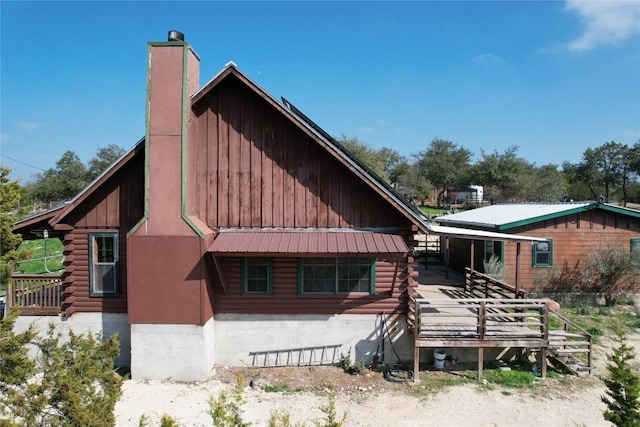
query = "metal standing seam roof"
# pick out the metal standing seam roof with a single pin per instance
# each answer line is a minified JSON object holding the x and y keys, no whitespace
{"x":504,"y":216}
{"x":303,"y":242}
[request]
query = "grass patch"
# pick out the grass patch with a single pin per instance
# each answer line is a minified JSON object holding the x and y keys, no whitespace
{"x":36,"y":264}
{"x":281,"y":388}
{"x":429,"y":210}
{"x":434,"y":382}
{"x":511,"y":379}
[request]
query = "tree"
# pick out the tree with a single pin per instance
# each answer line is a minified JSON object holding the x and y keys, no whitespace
{"x":623,"y":387}
{"x":445,"y":165}
{"x":578,"y":181}
{"x":67,"y":179}
{"x":410,"y":182}
{"x":504,"y":174}
{"x":71,"y":176}
{"x":9,"y":242}
{"x":609,"y":166}
{"x":104,"y":158}
{"x":382,"y":162}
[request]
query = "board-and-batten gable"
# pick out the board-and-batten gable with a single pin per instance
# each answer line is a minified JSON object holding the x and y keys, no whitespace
{"x":257,"y":168}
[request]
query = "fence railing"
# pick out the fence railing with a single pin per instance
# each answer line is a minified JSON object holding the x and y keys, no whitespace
{"x":35,"y":293}
{"x":483,"y":286}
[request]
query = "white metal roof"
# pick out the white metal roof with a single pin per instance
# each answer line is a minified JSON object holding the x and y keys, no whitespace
{"x":495,"y":216}
{"x":465,"y":233}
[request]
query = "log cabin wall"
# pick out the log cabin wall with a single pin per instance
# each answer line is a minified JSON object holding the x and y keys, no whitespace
{"x":285,"y":299}
{"x":255,"y":168}
{"x":115,"y":207}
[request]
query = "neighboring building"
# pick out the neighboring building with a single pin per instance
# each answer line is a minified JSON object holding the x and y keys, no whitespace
{"x":573,"y":232}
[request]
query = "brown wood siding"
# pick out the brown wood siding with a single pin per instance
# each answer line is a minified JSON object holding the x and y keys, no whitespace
{"x":75,"y":279}
{"x":114,"y":207}
{"x":573,"y":241}
{"x":284,"y":298}
{"x":263,"y":171}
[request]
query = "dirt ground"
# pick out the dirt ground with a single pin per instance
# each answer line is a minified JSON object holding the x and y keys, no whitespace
{"x":369,"y":399}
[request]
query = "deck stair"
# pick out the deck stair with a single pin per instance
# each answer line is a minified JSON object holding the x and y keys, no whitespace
{"x":570,"y":346}
{"x":303,"y":356}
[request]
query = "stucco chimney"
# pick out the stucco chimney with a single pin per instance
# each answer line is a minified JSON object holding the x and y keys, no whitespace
{"x":173,"y":76}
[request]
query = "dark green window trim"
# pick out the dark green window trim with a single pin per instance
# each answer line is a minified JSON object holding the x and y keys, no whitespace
{"x":542,"y":254}
{"x":104,"y":280}
{"x":250,"y":267}
{"x":334,"y":267}
{"x":635,"y":244}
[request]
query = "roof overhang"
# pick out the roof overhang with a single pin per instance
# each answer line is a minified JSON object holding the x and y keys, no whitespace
{"x":466,"y":233}
{"x":305,"y":242}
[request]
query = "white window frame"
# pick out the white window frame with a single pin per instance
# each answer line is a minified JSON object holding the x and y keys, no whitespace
{"x":99,"y":266}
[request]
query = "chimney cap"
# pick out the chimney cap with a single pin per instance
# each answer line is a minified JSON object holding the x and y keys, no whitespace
{"x":175,"y":36}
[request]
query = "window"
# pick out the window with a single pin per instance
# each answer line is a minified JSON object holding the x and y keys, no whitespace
{"x":256,"y":275}
{"x":336,"y":275}
{"x":542,"y":254}
{"x":103,"y":260}
{"x":491,"y":248}
{"x":635,"y":245}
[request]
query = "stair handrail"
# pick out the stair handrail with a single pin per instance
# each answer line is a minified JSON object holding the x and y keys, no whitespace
{"x":583,"y":332}
{"x":566,"y":321}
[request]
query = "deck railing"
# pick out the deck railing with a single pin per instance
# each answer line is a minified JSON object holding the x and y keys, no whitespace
{"x":35,"y":293}
{"x":483,"y":286}
{"x":446,"y":321}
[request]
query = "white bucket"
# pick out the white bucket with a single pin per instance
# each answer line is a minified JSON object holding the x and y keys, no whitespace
{"x":439,"y":357}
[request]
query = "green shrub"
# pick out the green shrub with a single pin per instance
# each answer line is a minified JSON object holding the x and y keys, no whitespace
{"x":495,"y":268}
{"x":331,"y":417}
{"x":225,"y":410}
{"x":77,"y":385}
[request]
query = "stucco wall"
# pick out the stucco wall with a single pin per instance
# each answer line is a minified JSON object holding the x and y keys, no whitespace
{"x":238,"y":335}
{"x":177,"y":352}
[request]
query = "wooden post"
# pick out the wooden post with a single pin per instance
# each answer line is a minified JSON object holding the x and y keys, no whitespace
{"x":543,"y":362}
{"x":416,"y":362}
{"x":480,"y":362}
{"x":517,"y":269}
{"x":473,"y":252}
{"x":446,"y":258}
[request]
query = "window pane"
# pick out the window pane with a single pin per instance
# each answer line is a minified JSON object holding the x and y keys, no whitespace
{"x":104,"y":264}
{"x":257,"y":275}
{"x":336,"y":275}
{"x":104,"y":278}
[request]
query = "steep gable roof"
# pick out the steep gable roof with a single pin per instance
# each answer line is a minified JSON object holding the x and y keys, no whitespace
{"x":332,"y":146}
{"x":510,"y":215}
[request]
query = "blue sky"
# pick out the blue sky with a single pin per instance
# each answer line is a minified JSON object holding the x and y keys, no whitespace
{"x":553,"y":77}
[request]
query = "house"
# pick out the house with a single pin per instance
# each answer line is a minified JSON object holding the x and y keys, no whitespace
{"x":235,"y":232}
{"x":572,"y":231}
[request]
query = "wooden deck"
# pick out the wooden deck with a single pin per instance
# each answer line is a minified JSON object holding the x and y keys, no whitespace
{"x":481,"y":323}
{"x":448,"y":314}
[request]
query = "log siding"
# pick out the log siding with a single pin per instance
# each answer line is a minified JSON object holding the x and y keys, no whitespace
{"x":285,"y":298}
